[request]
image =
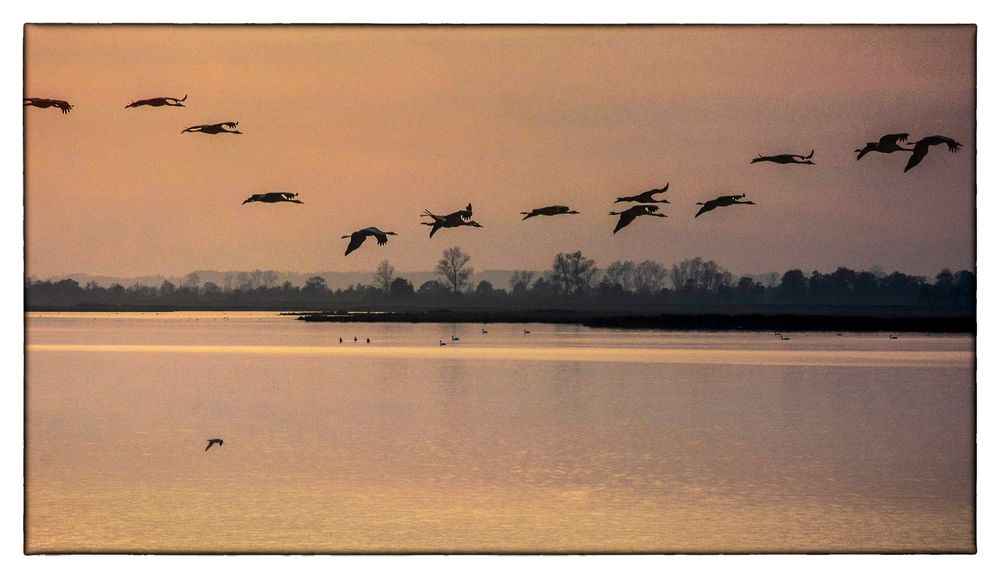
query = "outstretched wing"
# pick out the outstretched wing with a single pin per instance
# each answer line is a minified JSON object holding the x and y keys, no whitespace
{"x":226,"y":124}
{"x":891,"y":139}
{"x":381,"y":237}
{"x":210,"y":442}
{"x":357,"y":238}
{"x":953,"y":145}
{"x":624,"y":220}
{"x":919,"y":152}
{"x":706,"y":207}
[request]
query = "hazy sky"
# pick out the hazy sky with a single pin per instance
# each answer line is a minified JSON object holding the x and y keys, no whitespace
{"x":373,"y":125}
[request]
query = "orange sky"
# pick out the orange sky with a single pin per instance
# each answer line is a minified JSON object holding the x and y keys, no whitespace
{"x":372,"y":125}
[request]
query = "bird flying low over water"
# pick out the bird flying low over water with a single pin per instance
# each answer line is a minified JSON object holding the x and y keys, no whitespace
{"x":212,"y":442}
{"x":214,"y":128}
{"x":358,"y":237}
{"x":456,"y":219}
{"x":922,"y":146}
{"x":723,"y":201}
{"x":646,"y":197}
{"x":887,"y":144}
{"x":629,"y":215}
{"x":785,"y":159}
{"x":550,"y":211}
{"x":160,"y":101}
{"x":274,"y":198}
{"x":47,"y":102}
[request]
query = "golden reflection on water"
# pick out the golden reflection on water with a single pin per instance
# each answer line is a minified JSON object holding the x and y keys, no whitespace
{"x":579,"y":354}
{"x":577,"y":440}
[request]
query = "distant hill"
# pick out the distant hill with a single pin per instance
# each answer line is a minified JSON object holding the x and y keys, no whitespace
{"x":500,"y":278}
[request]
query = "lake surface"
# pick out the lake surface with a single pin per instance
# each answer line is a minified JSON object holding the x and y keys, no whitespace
{"x":564,"y":439}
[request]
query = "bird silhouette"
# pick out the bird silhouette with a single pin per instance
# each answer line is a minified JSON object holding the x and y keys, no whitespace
{"x":550,"y":211}
{"x":646,"y":197}
{"x":160,"y":101}
{"x":922,"y":147}
{"x":62,"y":105}
{"x":723,"y":201}
{"x":214,"y":128}
{"x":887,"y":144}
{"x":212,"y":442}
{"x":457,"y":219}
{"x":273,"y":198}
{"x":628,"y":215}
{"x":785,"y":159}
{"x":358,"y":237}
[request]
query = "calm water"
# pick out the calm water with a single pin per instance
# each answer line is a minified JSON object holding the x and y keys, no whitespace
{"x":564,"y":439}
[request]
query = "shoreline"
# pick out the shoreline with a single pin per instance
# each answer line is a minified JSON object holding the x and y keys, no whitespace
{"x":667,"y":321}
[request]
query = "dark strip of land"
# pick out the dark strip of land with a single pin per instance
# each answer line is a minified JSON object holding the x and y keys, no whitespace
{"x":691,"y":322}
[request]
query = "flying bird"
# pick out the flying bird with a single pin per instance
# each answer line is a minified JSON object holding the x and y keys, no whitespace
{"x":273,"y":198}
{"x":785,"y":159}
{"x":214,"y":128}
{"x":723,"y":201}
{"x":887,"y":144}
{"x":47,"y":102}
{"x":550,"y":211}
{"x":212,"y":442}
{"x":630,"y":214}
{"x":457,"y":219}
{"x":646,"y":197}
{"x":922,"y":146}
{"x":160,"y":101}
{"x":358,"y":237}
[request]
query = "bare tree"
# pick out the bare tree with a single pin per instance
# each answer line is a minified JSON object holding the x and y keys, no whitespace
{"x":384,"y":275}
{"x":191,"y":281}
{"x":620,"y":274}
{"x":572,"y":273}
{"x":268,"y":279}
{"x":521,"y":280}
{"x":243,"y":281}
{"x":771,"y":279}
{"x":695,"y":275}
{"x":649,"y":277}
{"x":453,"y":268}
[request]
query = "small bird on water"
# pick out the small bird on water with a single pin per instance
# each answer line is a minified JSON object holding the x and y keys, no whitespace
{"x":212,"y":442}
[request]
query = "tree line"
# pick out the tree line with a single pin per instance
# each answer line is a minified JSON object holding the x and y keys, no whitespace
{"x":573,"y":281}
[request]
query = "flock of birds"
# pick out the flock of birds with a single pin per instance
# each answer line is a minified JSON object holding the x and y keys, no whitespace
{"x":646,"y":204}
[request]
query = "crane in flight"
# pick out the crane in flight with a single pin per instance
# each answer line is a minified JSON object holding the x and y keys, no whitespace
{"x":723,"y":201}
{"x":213,"y":442}
{"x":550,"y":211}
{"x":358,"y":237}
{"x":160,"y":101}
{"x":785,"y":159}
{"x":922,"y":147}
{"x":646,"y":197}
{"x":62,"y":105}
{"x":887,"y":144}
{"x":273,"y":198}
{"x":457,"y":219}
{"x":214,"y":128}
{"x":628,"y":215}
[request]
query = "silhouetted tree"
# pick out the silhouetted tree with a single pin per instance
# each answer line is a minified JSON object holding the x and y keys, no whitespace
{"x":620,"y":274}
{"x":384,"y":274}
{"x":315,"y":287}
{"x":648,"y":277}
{"x":401,"y":290}
{"x":520,"y":281}
{"x":572,"y":273}
{"x":794,"y":288}
{"x":453,"y":268}
{"x":434,"y":290}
